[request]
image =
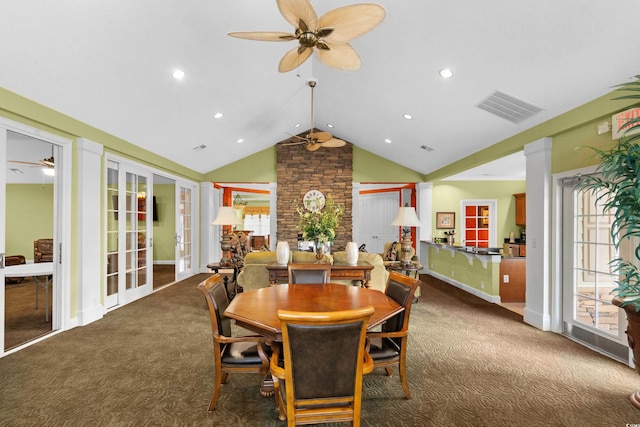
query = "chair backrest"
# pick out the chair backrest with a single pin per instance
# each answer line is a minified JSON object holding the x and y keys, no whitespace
{"x":217,"y":300}
{"x":323,"y":359}
{"x":309,"y":273}
{"x":400,"y":288}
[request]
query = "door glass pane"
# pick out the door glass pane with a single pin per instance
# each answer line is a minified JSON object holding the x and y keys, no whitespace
{"x":476,"y":225}
{"x":593,"y":278}
{"x":112,"y":230}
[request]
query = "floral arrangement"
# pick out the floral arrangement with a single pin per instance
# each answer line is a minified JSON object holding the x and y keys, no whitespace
{"x":320,"y":225}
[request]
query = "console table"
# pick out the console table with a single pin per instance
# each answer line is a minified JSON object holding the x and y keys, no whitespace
{"x":339,"y":271}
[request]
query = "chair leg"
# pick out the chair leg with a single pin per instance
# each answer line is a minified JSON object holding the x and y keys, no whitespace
{"x":282,"y":415}
{"x":403,"y":379}
{"x":389,"y":371}
{"x":221,"y":377}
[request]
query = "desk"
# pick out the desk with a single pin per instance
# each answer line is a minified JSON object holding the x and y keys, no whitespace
{"x":34,"y":270}
{"x":258,"y":310}
{"x":339,"y":271}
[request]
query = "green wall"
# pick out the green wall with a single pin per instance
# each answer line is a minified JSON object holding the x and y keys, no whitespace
{"x":164,"y":248}
{"x":262,"y":167}
{"x":458,"y":268}
{"x":29,"y":217}
{"x":448,"y":194}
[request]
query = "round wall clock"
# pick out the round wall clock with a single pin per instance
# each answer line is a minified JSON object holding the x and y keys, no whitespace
{"x":313,"y":200}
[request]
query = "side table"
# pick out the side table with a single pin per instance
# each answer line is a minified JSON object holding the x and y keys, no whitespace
{"x":216,"y":267}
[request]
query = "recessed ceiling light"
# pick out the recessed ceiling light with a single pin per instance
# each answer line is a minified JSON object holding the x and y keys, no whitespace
{"x":297,"y":125}
{"x":240,"y":141}
{"x":14,"y":170}
{"x":217,"y":115}
{"x":446,"y":73}
{"x":387,"y":140}
{"x":178,"y":74}
{"x":407,"y":116}
{"x":199,"y":147}
{"x":426,"y":148}
{"x":330,"y":125}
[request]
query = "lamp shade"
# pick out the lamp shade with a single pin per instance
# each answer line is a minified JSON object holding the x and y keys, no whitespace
{"x":406,"y":217}
{"x":226,"y":216}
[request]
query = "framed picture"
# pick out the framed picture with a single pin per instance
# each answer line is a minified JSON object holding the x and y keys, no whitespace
{"x":445,"y":219}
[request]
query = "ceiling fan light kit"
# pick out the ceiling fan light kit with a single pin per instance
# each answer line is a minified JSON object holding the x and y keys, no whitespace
{"x":329,"y":35}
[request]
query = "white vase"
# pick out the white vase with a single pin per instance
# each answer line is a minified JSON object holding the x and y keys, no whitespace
{"x":282,"y":253}
{"x":352,"y":253}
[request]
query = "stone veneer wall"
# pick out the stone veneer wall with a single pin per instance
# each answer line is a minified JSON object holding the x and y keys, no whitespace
{"x":329,"y":170}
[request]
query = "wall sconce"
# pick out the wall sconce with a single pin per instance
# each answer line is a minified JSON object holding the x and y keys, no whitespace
{"x":603,"y":127}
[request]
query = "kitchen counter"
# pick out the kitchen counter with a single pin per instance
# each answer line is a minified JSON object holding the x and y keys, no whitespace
{"x":475,"y":270}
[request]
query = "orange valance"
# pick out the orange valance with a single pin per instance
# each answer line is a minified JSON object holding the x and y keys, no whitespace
{"x":257,"y":210}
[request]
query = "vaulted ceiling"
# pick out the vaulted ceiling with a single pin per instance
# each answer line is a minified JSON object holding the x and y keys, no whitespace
{"x":110,"y":64}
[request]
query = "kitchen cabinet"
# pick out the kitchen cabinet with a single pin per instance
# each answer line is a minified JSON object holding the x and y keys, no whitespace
{"x":521,"y":208}
{"x":513,"y":279}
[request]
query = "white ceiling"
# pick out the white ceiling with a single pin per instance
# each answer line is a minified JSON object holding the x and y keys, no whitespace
{"x":109,"y":64}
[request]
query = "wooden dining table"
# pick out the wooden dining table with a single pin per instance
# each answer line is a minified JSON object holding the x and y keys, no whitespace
{"x":257,"y":310}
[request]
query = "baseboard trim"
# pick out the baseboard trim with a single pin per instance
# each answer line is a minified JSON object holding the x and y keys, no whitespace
{"x":482,"y":295}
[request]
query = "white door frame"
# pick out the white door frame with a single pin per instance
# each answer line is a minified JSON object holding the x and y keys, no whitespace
{"x":61,"y":291}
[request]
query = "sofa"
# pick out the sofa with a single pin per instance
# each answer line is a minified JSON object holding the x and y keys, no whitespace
{"x":254,"y":274}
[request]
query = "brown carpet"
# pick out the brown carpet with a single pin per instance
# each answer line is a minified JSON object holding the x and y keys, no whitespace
{"x":23,"y":321}
{"x":470,"y":363}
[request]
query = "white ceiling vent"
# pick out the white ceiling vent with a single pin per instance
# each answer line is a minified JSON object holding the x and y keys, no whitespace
{"x":508,"y":107}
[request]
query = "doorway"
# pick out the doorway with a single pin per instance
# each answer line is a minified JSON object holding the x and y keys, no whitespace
{"x":34,"y":189}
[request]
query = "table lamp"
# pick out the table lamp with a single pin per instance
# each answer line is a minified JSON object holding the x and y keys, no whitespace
{"x":226,"y":216}
{"x":406,"y":217}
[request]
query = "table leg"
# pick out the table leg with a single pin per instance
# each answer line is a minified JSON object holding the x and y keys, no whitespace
{"x":266,"y":389}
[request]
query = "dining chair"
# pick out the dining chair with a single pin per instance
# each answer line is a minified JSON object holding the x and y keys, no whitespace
{"x":318,"y":377}
{"x":245,"y":354}
{"x":309,"y":273}
{"x":389,"y":347}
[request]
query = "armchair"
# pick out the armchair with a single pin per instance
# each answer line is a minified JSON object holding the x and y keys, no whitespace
{"x":319,"y":378}
{"x":389,"y":347}
{"x":43,"y":250}
{"x":246,"y":354}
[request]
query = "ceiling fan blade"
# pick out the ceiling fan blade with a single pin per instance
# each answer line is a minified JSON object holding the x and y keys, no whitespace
{"x":351,"y":21}
{"x":312,"y":147}
{"x":296,"y":10}
{"x":265,"y":36}
{"x":26,"y":163}
{"x":340,"y":56}
{"x":292,"y":59}
{"x":320,"y":136}
{"x":333,"y":143}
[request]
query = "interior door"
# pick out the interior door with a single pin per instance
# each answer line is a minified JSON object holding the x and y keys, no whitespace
{"x":587,"y":280}
{"x":129,"y":220}
{"x":377,"y":211}
{"x":184,"y":232}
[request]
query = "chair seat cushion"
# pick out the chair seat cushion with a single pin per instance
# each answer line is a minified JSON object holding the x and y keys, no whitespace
{"x":241,"y":353}
{"x":383,"y":348}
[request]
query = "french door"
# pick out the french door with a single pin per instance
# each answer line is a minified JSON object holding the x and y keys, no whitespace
{"x":129,"y":273}
{"x":184,"y":232}
{"x":587,"y":279}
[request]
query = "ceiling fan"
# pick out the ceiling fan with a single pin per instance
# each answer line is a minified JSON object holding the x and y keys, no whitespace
{"x":330,"y":34}
{"x":315,"y":140}
{"x":47,"y":162}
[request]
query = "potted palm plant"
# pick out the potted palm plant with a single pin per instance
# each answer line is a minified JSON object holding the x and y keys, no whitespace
{"x":617,"y":190}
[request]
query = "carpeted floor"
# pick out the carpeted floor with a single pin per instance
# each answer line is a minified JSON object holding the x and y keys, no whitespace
{"x":470,"y":363}
{"x":23,"y":321}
